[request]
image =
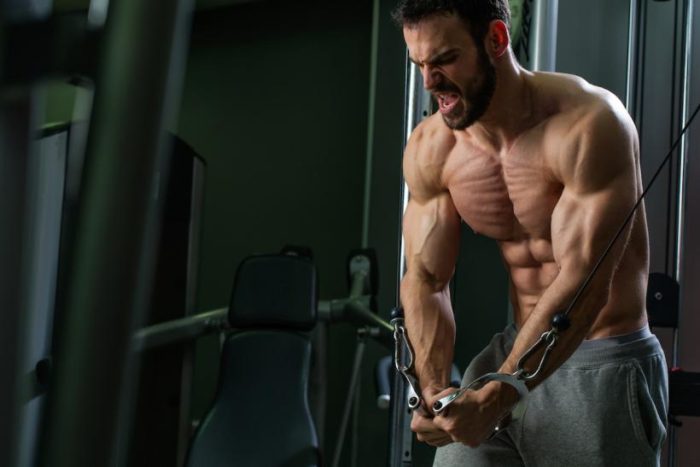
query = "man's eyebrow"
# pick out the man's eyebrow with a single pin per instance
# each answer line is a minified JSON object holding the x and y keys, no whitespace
{"x":437,"y":57}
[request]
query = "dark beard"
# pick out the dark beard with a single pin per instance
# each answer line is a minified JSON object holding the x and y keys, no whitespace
{"x":479,"y":98}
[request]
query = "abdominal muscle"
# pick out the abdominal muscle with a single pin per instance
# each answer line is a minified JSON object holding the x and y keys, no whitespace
{"x":532,"y":270}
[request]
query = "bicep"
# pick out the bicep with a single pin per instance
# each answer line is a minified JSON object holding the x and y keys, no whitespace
{"x":584,"y":225}
{"x":600,"y":189}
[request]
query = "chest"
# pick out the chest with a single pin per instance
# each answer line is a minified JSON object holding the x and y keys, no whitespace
{"x":503,"y":196}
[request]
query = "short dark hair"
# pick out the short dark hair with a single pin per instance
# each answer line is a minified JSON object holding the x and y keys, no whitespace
{"x":476,"y":14}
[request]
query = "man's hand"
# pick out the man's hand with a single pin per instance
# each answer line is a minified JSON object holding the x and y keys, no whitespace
{"x":423,"y":424}
{"x":471,"y":418}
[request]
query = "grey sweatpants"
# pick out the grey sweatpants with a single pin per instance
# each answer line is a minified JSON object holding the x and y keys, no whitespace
{"x":606,"y":406}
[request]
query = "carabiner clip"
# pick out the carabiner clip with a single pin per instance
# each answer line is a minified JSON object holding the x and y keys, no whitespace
{"x":406,"y":369}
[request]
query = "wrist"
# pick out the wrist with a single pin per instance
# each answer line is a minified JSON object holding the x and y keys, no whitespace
{"x":432,"y":389}
{"x":503,"y":395}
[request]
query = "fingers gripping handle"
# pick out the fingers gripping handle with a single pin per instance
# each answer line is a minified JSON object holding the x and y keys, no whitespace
{"x":478,"y":383}
{"x":441,"y":405}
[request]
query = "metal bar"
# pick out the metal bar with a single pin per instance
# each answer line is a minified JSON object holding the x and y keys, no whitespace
{"x":15,"y":114}
{"x":682,"y":187}
{"x":180,"y":330}
{"x":544,"y":35}
{"x":112,"y":260}
{"x":640,"y":59}
{"x":371,"y":106}
{"x":417,"y":106}
{"x":45,"y":188}
{"x":683,"y":150}
{"x":197,"y":198}
{"x":18,"y":209}
{"x":354,"y":378}
{"x":354,"y":310}
{"x":673,"y":124}
{"x":632,"y":57}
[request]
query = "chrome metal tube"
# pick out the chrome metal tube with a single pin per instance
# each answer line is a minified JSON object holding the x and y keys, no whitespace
{"x":683,"y":149}
{"x":16,"y":211}
{"x":683,"y":156}
{"x":20,"y":287}
{"x":544,"y":35}
{"x":681,"y":192}
{"x":632,"y":56}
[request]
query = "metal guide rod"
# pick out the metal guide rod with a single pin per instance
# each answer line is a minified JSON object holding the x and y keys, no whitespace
{"x":417,"y":107}
{"x":683,"y":149}
{"x":544,"y":35}
{"x":632,"y":57}
{"x":184,"y":425}
{"x":18,"y":208}
{"x":681,"y":193}
{"x":142,"y":65}
{"x":371,"y":113}
{"x":180,"y":330}
{"x":15,"y":114}
{"x":353,"y":309}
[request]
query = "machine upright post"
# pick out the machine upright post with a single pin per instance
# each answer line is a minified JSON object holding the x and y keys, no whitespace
{"x":685,"y":84}
{"x":17,"y":208}
{"x":417,"y":107}
{"x":544,"y":35}
{"x":15,"y":115}
{"x":137,"y":90}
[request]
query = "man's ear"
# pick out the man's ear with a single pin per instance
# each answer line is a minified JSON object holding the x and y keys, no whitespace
{"x":497,"y":38}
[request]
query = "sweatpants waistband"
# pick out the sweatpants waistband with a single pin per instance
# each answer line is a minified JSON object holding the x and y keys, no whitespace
{"x":638,"y":344}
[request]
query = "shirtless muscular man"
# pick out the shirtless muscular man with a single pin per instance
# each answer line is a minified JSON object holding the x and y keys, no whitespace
{"x":547,"y":165}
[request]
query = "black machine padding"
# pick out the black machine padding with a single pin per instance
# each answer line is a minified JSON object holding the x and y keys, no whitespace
{"x":261,"y":414}
{"x":274,"y":291}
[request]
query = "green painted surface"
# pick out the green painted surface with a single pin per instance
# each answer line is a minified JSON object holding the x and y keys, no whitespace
{"x":276,"y":102}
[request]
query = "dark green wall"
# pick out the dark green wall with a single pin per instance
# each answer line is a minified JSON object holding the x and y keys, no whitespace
{"x":276,"y":101}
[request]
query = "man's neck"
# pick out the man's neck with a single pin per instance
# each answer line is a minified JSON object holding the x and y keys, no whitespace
{"x":511,"y":109}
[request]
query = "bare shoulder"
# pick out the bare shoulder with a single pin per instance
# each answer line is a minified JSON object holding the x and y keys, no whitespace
{"x":424,"y":158}
{"x":590,"y":126}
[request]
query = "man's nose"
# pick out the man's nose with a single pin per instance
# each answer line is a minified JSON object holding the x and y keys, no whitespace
{"x":431,"y":77}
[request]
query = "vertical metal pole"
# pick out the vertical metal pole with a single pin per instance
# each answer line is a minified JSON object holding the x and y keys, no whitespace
{"x":14,"y":214}
{"x":417,"y":107}
{"x":632,"y":57}
{"x":544,"y":35}
{"x":190,"y":304}
{"x":374,"y":53}
{"x":17,"y":210}
{"x":112,"y":259}
{"x":45,"y":188}
{"x":637,"y":103}
{"x":683,"y":151}
{"x":687,"y":16}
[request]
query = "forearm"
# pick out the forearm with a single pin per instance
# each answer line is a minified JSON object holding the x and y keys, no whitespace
{"x":556,"y":299}
{"x":431,"y":330}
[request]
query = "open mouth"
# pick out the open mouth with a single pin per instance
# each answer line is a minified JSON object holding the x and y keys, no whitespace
{"x":447,"y":101}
